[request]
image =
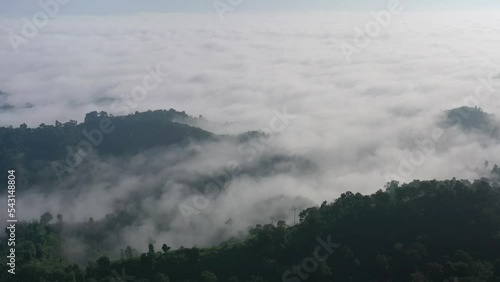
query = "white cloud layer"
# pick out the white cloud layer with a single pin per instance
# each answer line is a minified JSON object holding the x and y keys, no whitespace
{"x":356,"y":121}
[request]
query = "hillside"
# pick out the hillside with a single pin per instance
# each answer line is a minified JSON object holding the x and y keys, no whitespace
{"x":471,"y":120}
{"x":34,"y":151}
{"x":422,"y":231}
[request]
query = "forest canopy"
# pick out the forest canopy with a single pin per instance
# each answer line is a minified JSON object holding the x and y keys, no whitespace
{"x":421,"y":231}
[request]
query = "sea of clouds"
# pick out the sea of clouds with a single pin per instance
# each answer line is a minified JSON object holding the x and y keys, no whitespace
{"x":366,"y":107}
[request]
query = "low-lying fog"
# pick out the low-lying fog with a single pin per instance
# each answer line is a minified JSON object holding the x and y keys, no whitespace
{"x":350,"y":112}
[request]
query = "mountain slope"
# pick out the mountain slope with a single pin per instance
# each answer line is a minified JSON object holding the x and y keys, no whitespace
{"x":422,"y":231}
{"x":33,"y":150}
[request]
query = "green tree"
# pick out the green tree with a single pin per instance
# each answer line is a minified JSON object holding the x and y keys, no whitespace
{"x":46,"y":218}
{"x":207,"y":276}
{"x":165,"y":248}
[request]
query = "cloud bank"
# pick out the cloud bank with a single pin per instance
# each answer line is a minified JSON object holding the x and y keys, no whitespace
{"x":356,"y":120}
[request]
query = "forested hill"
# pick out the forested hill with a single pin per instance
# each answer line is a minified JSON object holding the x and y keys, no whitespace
{"x":33,"y":150}
{"x":422,"y":231}
{"x":472,"y":120}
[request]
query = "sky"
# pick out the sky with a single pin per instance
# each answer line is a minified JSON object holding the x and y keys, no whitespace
{"x":97,"y":7}
{"x":367,"y":95}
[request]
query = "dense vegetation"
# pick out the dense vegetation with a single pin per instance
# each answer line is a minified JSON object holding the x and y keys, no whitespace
{"x":422,"y":231}
{"x":32,"y":151}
